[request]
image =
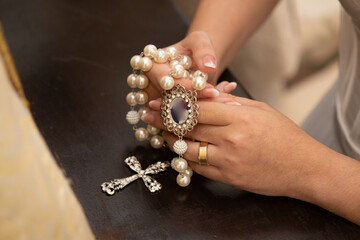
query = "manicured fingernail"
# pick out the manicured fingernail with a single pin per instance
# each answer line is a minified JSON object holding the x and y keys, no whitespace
{"x":234,"y":103}
{"x":209,"y":61}
{"x":211,"y":92}
{"x":148,"y":118}
{"x":155,"y":104}
{"x":230,"y":87}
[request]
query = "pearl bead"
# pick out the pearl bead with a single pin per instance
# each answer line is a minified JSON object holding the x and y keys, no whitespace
{"x":150,"y":50}
{"x":179,"y":165}
{"x":188,"y":172}
{"x":161,"y":56}
{"x":180,"y":147}
{"x":198,"y":83}
{"x":177,"y":71}
{"x":145,"y":64}
{"x":183,"y":180}
{"x":172,"y":52}
{"x":133,"y":117}
{"x":173,"y":63}
{"x":186,"y":75}
{"x":142,"y":81}
{"x":167,"y":82}
{"x":157,"y":141}
{"x":141,"y":134}
{"x":135,"y":62}
{"x":131,"y":80}
{"x":141,"y":97}
{"x":186,"y":62}
{"x":131,"y":99}
{"x":143,"y":110}
{"x":152,"y":130}
{"x":199,"y":73}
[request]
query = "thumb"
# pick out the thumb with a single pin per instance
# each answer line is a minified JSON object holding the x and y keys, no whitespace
{"x":203,"y":53}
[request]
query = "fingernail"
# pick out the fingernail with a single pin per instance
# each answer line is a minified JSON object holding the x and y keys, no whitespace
{"x":234,"y":103}
{"x":209,"y":61}
{"x":230,"y":87}
{"x":212,"y":92}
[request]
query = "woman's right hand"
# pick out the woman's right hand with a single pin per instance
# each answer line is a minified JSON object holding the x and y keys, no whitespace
{"x":197,"y":45}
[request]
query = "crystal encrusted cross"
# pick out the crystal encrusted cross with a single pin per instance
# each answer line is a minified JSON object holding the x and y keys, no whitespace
{"x":134,"y":164}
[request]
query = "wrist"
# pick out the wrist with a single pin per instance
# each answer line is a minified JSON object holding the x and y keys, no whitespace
{"x":330,"y":180}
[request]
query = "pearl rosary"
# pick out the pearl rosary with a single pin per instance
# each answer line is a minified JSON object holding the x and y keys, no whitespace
{"x":179,"y":108}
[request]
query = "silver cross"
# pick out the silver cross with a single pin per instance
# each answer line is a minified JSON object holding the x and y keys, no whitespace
{"x":134,"y":164}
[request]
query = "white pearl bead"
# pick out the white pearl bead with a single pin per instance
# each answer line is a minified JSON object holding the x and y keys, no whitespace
{"x":142,"y":81}
{"x":179,"y":164}
{"x":161,"y":56}
{"x":131,"y":99}
{"x":199,"y":73}
{"x":188,"y":172}
{"x":177,"y":71}
{"x":157,"y":141}
{"x":135,"y":62}
{"x":141,"y":97}
{"x":180,"y":147}
{"x":131,"y":80}
{"x":172,"y":53}
{"x":186,"y":75}
{"x":132,"y":117}
{"x":198,"y":83}
{"x":152,"y":130}
{"x":183,"y":180}
{"x":143,"y":110}
{"x":141,"y":134}
{"x":174,"y":63}
{"x":150,"y":50}
{"x":186,"y":62}
{"x":167,"y":82}
{"x":145,"y":64}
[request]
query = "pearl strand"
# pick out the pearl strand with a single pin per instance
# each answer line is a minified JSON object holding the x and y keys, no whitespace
{"x":179,"y":68}
{"x":140,"y":64}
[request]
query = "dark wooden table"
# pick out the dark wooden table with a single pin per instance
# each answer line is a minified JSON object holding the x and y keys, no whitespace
{"x":73,"y":60}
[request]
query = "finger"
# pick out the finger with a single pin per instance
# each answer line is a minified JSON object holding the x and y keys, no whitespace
{"x":220,"y":86}
{"x":243,"y":101}
{"x":192,"y":152}
{"x":201,"y":132}
{"x":210,"y":172}
{"x":202,"y":49}
{"x":153,"y":118}
{"x":152,"y":91}
{"x":211,"y":113}
{"x":248,"y":102}
{"x":230,"y":87}
{"x":156,"y":104}
{"x":206,"y":133}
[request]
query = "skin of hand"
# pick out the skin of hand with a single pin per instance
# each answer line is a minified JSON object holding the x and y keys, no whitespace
{"x":254,"y":147}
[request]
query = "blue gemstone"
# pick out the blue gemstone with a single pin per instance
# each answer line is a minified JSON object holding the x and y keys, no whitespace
{"x":179,"y":110}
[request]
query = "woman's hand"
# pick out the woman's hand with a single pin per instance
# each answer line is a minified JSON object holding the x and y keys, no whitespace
{"x":251,"y":146}
{"x":197,"y":45}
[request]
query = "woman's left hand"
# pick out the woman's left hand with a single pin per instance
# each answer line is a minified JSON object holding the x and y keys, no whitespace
{"x":251,"y":145}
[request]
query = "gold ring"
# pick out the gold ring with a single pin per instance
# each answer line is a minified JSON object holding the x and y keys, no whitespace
{"x":203,"y":153}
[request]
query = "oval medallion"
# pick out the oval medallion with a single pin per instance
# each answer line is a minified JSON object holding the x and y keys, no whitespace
{"x":179,"y":110}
